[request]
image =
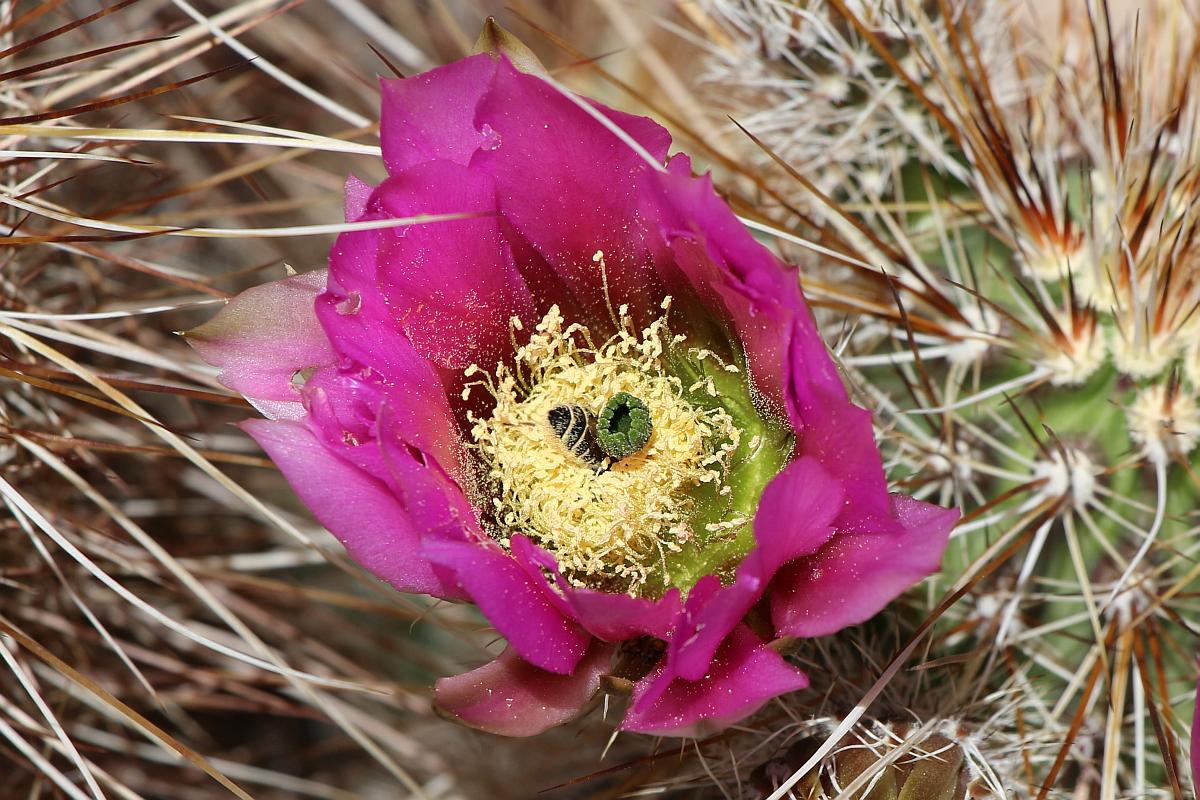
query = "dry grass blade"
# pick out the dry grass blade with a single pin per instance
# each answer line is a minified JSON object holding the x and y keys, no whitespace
{"x":98,"y":105}
{"x":135,"y":718}
{"x":62,"y":29}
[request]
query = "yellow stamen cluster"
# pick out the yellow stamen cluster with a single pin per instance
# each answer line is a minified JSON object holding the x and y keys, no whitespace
{"x":614,"y":521}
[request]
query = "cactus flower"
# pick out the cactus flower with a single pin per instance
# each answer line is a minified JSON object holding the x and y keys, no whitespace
{"x":594,"y":406}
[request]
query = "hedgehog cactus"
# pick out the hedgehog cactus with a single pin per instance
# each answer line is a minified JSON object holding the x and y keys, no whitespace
{"x":1020,"y":309}
{"x":822,"y":91}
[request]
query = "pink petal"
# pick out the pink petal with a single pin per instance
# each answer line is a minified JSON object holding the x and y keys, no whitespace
{"x":263,"y":337}
{"x":743,"y":676}
{"x":735,"y":276}
{"x":833,"y":430}
{"x":793,"y":520}
{"x":617,"y":617}
{"x":374,"y":352}
{"x":356,"y":507}
{"x":435,"y":503}
{"x":705,"y":591}
{"x":344,"y":409}
{"x":510,"y":697}
{"x":515,"y":605}
{"x":733,"y":273}
{"x":432,"y":115}
{"x":605,"y":615}
{"x":358,"y":321}
{"x":571,"y":187}
{"x":856,"y":575}
{"x":794,"y":516}
{"x":452,"y":286}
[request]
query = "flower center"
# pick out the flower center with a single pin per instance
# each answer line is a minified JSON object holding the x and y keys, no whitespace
{"x":598,"y":452}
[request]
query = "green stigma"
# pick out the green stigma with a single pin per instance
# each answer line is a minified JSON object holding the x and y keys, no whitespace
{"x":623,"y":426}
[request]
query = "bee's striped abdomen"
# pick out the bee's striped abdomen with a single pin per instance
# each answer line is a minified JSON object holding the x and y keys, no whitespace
{"x":575,"y":428}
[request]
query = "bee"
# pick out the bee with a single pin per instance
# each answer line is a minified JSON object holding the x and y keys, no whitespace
{"x":575,"y":427}
{"x":622,"y":429}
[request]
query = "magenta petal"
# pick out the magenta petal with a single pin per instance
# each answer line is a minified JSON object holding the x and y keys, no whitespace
{"x":425,"y":422}
{"x":686,"y":633}
{"x":856,"y":574}
{"x":616,"y":617}
{"x":515,"y":605}
{"x":570,"y":187}
{"x":732,"y":273}
{"x":359,"y":323}
{"x":831,"y":428}
{"x":794,"y":515}
{"x":369,"y":339}
{"x":342,"y":409}
{"x":743,"y":676}
{"x":355,"y":507}
{"x":451,"y":286}
{"x":607,"y":616}
{"x":510,"y":697}
{"x":432,"y":115}
{"x":263,"y":337}
{"x":373,"y":351}
{"x":434,"y":502}
{"x":793,"y":520}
